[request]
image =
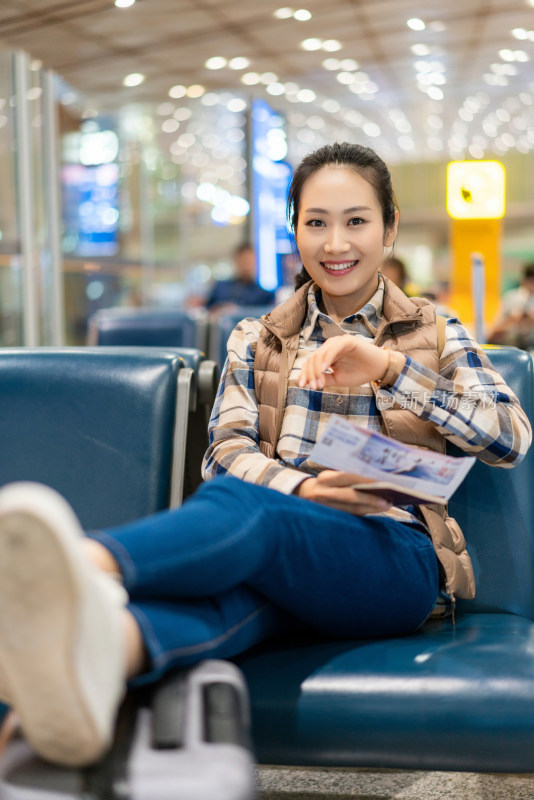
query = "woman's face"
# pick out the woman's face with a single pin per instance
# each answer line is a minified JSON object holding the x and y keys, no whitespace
{"x":340,"y":235}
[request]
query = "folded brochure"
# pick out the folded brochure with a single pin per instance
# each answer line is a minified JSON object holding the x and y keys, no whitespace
{"x":401,"y":473}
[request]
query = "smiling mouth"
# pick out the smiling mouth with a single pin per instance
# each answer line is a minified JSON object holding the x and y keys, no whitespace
{"x":339,"y":268}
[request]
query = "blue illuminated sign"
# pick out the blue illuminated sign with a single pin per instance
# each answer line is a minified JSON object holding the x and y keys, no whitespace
{"x":90,"y":209}
{"x":271,"y":176}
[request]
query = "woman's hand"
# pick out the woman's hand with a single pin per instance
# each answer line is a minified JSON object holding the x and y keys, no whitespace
{"x":349,"y":361}
{"x":336,"y":489}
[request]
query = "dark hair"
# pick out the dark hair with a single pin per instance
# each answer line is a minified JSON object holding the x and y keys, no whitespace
{"x":528,"y":271}
{"x":362,"y":160}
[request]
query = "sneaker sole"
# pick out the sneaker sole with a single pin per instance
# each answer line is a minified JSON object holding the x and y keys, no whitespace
{"x":38,"y":635}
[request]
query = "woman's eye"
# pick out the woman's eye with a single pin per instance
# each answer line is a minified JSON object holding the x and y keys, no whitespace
{"x":315,"y":223}
{"x":356,"y":221}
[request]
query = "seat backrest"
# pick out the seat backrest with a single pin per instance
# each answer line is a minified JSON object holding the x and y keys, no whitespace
{"x":149,"y":327}
{"x":97,"y":424}
{"x":222,"y":326}
{"x":495,"y":509}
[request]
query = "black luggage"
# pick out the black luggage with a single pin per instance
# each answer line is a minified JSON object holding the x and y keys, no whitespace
{"x":188,"y":741}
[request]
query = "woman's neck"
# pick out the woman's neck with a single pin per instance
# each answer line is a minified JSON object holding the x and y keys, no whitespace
{"x":338,"y":308}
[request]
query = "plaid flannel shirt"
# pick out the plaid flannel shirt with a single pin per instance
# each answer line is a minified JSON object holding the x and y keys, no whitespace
{"x":468,"y":402}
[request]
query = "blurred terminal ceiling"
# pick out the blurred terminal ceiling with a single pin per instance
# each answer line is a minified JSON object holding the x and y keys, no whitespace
{"x":414,"y":78}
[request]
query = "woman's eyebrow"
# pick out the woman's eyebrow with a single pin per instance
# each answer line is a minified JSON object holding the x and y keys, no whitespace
{"x":346,"y":211}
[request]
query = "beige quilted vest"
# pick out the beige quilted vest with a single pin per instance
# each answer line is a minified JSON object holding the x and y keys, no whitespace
{"x":408,"y":325}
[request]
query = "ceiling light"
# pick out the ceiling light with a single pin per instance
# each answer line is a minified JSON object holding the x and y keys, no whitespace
{"x":507,"y":55}
{"x":216,"y":62}
{"x":435,"y":93}
{"x":275,"y":89}
{"x":345,"y":78}
{"x":195,"y":90}
{"x":520,"y":33}
{"x":475,"y":151}
{"x":250,"y":78}
{"x":134,"y":79}
{"x":170,"y":125}
{"x":315,"y":122}
{"x":177,"y":91}
{"x":416,"y":24}
{"x":306,"y":96}
{"x":239,"y":62}
{"x":521,"y":56}
{"x":311,"y":44}
{"x":466,"y":115}
{"x":422,"y":66}
{"x":331,"y":106}
{"x":371,"y":129}
{"x":210,"y":99}
{"x":331,"y":45}
{"x":236,"y":104}
{"x":182,"y":113}
{"x":349,"y":64}
{"x":420,"y":50}
{"x":268,"y":77}
{"x":302,"y":15}
{"x":124,"y":3}
{"x":508,"y":140}
{"x":283,"y":13}
{"x":331,"y":64}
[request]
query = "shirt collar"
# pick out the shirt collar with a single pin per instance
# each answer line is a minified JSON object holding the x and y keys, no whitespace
{"x":364,"y":321}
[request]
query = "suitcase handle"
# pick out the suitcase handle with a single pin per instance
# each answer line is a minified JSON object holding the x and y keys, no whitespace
{"x":205,"y":705}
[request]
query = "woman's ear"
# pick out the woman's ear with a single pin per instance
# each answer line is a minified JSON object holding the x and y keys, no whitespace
{"x":391,"y":233}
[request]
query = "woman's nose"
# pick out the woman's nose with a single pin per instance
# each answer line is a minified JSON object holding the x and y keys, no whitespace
{"x":336,"y":241}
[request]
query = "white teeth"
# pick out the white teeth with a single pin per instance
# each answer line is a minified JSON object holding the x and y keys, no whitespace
{"x":339,"y":267}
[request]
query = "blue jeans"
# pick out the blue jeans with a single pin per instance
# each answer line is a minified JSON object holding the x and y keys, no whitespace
{"x":239,"y":563}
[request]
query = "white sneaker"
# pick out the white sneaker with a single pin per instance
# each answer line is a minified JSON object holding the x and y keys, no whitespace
{"x":62,"y":636}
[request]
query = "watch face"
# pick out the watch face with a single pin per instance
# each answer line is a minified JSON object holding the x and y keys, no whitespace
{"x":476,"y":189}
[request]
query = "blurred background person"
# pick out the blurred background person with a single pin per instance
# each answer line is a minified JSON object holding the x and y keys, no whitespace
{"x":439,"y":295}
{"x":395,"y":269}
{"x":515,"y":325}
{"x":242,"y":289}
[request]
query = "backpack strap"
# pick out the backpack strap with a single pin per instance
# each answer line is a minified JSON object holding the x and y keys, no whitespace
{"x":441,"y":324}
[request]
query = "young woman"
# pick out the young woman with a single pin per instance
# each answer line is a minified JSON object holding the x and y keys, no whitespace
{"x":273,"y":545}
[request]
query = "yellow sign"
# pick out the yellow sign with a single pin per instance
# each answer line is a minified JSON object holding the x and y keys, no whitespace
{"x":476,"y":189}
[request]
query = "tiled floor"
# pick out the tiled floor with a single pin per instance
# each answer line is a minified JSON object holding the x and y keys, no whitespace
{"x":284,"y":783}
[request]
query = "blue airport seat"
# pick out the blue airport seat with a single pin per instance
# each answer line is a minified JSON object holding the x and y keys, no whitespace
{"x":203,"y":389}
{"x":104,"y":426}
{"x":222,"y":326}
{"x":149,"y":327}
{"x":445,"y":697}
{"x":201,"y":404}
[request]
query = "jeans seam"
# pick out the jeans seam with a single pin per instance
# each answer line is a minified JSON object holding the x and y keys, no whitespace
{"x":168,"y":655}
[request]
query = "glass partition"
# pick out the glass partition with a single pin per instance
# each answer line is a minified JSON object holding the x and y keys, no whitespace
{"x":10,"y":245}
